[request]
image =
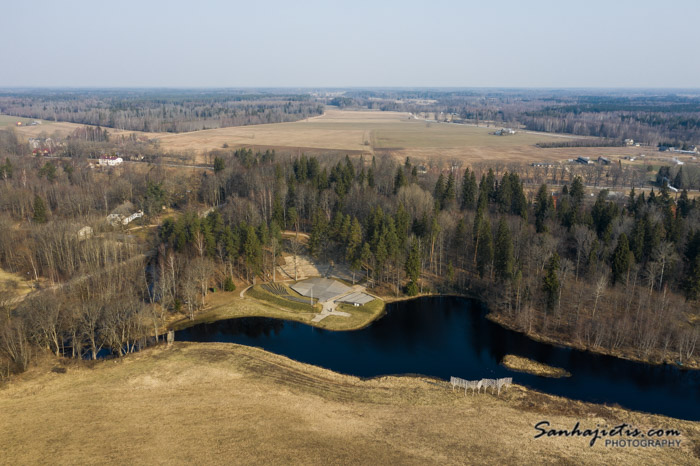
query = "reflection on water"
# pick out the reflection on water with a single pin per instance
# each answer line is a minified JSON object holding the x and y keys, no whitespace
{"x":447,"y":336}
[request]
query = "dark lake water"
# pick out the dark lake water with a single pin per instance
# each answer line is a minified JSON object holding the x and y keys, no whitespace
{"x":448,"y":336}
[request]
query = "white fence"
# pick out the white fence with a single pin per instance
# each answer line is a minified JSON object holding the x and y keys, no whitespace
{"x":475,"y":385}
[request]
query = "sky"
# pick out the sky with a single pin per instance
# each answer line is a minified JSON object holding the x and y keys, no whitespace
{"x":270,"y":43}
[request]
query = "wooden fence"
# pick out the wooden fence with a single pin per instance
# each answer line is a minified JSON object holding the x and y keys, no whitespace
{"x":476,"y":385}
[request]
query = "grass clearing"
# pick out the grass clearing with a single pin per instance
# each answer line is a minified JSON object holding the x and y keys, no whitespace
{"x":8,"y":120}
{"x":222,"y":305}
{"x":259,"y":293}
{"x":229,"y":305}
{"x":222,"y":403}
{"x":360,"y":316}
{"x":13,"y":284}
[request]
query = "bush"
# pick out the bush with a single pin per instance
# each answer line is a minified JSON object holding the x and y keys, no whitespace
{"x":229,"y":285}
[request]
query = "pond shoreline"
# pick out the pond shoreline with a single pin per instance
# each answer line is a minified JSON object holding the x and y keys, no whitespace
{"x":497,"y":318}
{"x":450,"y":336}
{"x":209,"y":316}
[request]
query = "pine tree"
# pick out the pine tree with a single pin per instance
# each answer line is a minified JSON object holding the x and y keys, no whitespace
{"x":637,"y":239}
{"x":219,"y":164}
{"x":402,"y":220}
{"x":543,"y":207}
{"x":366,"y":257}
{"x":354,"y":240}
{"x":551,"y":284}
{"x":469,"y":188}
{"x":319,"y":227}
{"x":450,"y":192}
{"x":40,"y":215}
{"x":519,"y":201}
{"x":691,"y":254}
{"x":503,"y":257}
{"x":632,"y":203}
{"x":439,"y":192}
{"x":489,"y":187}
{"x":399,"y":180}
{"x":413,"y":263}
{"x":621,"y":260}
{"x":678,"y":180}
{"x":484,"y":252}
{"x":252,"y":251}
{"x":504,"y":194}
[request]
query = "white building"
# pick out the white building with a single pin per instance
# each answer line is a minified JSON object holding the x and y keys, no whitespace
{"x":132,"y":217}
{"x":110,"y":161}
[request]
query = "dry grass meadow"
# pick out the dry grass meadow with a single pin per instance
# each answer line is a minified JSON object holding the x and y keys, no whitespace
{"x":52,"y":128}
{"x":361,"y":132}
{"x":394,"y":133}
{"x":13,"y":285}
{"x":219,"y":403}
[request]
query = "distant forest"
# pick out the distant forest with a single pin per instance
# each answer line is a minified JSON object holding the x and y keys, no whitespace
{"x":159,"y":110}
{"x":648,"y":117}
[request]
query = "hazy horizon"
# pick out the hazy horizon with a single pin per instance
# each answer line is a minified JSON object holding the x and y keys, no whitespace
{"x":539,"y":45}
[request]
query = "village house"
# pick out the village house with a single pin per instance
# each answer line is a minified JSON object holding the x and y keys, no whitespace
{"x":504,"y":132}
{"x":110,"y":160}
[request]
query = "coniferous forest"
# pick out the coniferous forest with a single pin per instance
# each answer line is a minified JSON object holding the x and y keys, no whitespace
{"x":612,"y":273}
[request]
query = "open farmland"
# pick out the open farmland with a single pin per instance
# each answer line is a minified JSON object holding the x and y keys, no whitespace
{"x":59,"y":129}
{"x":370,"y":132}
{"x":395,"y":133}
{"x":8,"y":120}
{"x":221,"y":403}
{"x":353,"y":131}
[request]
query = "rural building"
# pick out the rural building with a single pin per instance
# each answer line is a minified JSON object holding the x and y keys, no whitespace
{"x":604,"y":160}
{"x":629,"y":142}
{"x":356,"y":299}
{"x":324,"y":289}
{"x":583,"y":160}
{"x":110,"y":160}
{"x":124,"y":214}
{"x":504,"y":132}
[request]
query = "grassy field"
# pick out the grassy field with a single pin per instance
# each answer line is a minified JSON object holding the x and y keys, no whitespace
{"x":219,"y":403}
{"x":369,"y":132}
{"x":360,"y":316}
{"x":54,"y":128}
{"x":261,"y":294}
{"x":230,"y":305}
{"x":7,"y":120}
